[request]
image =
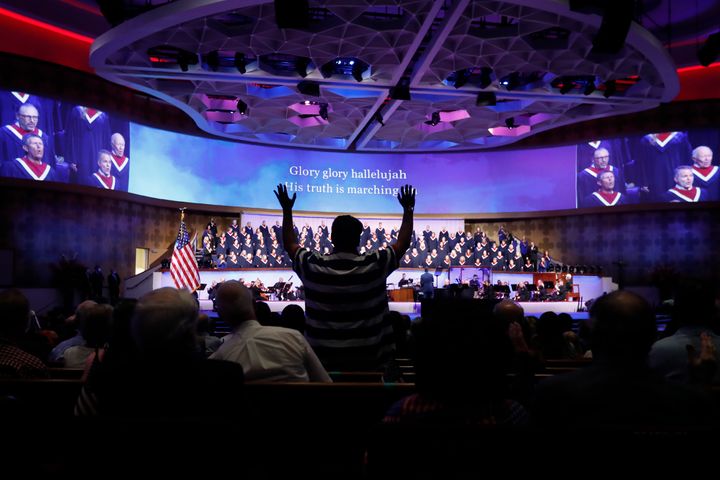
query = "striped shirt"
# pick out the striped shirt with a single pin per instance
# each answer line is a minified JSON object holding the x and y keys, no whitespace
{"x":345,"y":305}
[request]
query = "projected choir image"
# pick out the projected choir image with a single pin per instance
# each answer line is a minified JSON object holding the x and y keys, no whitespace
{"x":52,"y":141}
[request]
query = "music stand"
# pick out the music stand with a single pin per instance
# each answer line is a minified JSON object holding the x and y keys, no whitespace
{"x":503,"y":289}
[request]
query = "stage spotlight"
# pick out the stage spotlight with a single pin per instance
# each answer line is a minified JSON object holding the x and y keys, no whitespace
{"x":610,"y":88}
{"x":357,"y":71}
{"x":163,"y":54}
{"x":710,"y":50}
{"x":614,"y":28}
{"x":589,"y":87}
{"x":240,"y":62}
{"x":301,"y":66}
{"x":306,"y":87}
{"x":242,"y":108}
{"x":511,"y":81}
{"x":213,"y":60}
{"x":434,"y":119}
{"x":461,"y":78}
{"x":327,"y":70}
{"x":566,"y":87}
{"x":485,"y":77}
{"x":324,"y":111}
{"x":510,"y":122}
{"x":485,"y":99}
{"x":292,"y":13}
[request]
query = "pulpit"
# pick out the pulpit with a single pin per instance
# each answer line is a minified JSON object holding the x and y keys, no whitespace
{"x":402,"y":295}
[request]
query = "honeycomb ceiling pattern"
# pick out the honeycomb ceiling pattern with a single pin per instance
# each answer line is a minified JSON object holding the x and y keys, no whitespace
{"x":419,"y":43}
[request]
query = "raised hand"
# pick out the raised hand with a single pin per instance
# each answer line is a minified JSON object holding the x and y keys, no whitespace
{"x":406,"y":197}
{"x":285,"y":201}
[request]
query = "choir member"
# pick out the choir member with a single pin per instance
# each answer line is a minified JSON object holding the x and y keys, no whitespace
{"x":587,"y":179}
{"x":606,"y":195}
{"x":12,"y":145}
{"x":120,"y":161}
{"x":103,"y":177}
{"x":707,"y":175}
{"x":31,"y":165}
{"x":684,"y":191}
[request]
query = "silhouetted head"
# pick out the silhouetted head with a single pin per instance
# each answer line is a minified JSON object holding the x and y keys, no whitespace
{"x":14,"y":313}
{"x":234,"y":303}
{"x":623,"y":328}
{"x":165,"y":323}
{"x":508,"y":312}
{"x":694,"y":303}
{"x":346,"y":231}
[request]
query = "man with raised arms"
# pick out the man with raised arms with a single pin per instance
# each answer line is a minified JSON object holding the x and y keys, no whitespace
{"x":345,"y":293}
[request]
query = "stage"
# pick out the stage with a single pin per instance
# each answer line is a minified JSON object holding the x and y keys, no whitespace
{"x":413,"y":309}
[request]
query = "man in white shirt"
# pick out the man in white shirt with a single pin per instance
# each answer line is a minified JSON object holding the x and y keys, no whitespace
{"x":265,"y":353}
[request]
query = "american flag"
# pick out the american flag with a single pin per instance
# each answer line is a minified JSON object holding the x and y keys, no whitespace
{"x":183,"y":266}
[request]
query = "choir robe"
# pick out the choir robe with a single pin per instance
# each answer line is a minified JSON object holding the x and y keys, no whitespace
{"x":323,"y":231}
{"x":675,"y":194}
{"x":221,"y":248}
{"x":708,"y":179}
{"x":599,"y":199}
{"x":265,"y":231}
{"x":233,"y":264}
{"x":47,"y":109}
{"x":407,"y":263}
{"x":656,"y":157}
{"x":486,"y":261}
{"x":23,"y":168}
{"x":365,"y":235}
{"x":98,"y":180}
{"x":277,"y":230}
{"x":514,"y":268}
{"x":120,"y":168}
{"x":587,"y":181}
{"x":617,"y":150}
{"x":11,"y":146}
{"x":416,"y":260}
{"x":86,"y":132}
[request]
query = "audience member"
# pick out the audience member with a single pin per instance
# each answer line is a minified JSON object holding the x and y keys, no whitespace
{"x":345,"y":293}
{"x":618,"y":391}
{"x":14,"y":317}
{"x":265,"y":353}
